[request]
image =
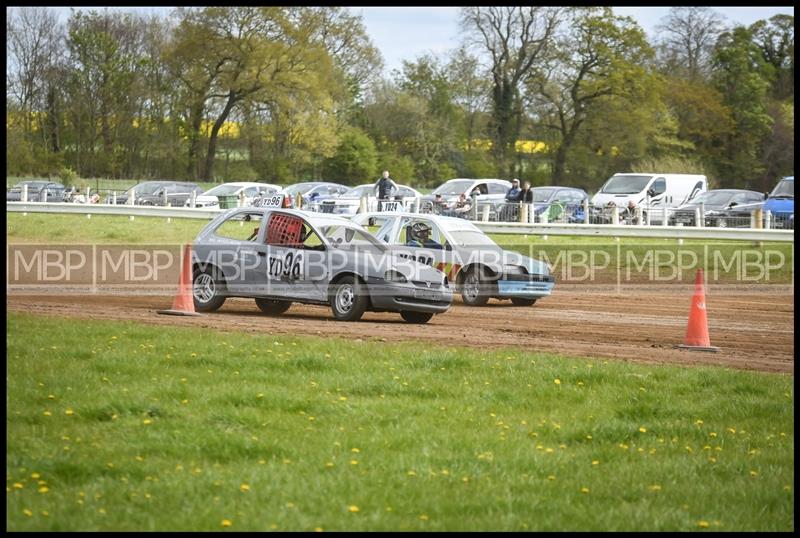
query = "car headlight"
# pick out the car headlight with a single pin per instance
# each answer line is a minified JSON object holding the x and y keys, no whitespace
{"x":394,"y":276}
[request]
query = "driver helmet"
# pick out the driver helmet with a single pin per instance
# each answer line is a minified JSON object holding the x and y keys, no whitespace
{"x":420,"y":231}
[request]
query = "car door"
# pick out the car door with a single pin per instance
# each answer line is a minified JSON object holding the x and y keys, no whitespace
{"x":286,"y":261}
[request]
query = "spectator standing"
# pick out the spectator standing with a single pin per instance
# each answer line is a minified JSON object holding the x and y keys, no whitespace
{"x":384,"y":188}
{"x":513,"y":194}
{"x":526,"y":193}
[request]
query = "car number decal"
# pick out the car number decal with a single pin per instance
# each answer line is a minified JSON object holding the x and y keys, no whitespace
{"x":427,"y":260}
{"x":288,"y":267}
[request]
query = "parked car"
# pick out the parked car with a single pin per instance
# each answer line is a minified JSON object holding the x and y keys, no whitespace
{"x":36,"y":189}
{"x":780,"y":203}
{"x":477,"y":267}
{"x":652,"y":192}
{"x":281,"y":256}
{"x":722,"y":208}
{"x":251,"y":191}
{"x":560,"y":203}
{"x":349,"y":202}
{"x":491,"y":191}
{"x":153,"y":193}
{"x":314,"y":193}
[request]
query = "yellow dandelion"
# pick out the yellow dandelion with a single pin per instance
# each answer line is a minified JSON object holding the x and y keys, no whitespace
{"x":642,"y":429}
{"x":424,"y":517}
{"x":69,"y":412}
{"x":48,"y":414}
{"x":557,"y":381}
{"x":244,"y":488}
{"x":317,"y":529}
{"x":226,"y":523}
{"x":654,"y":487}
{"x":595,"y":462}
{"x":753,"y":473}
{"x":702,"y":524}
{"x":353,"y":462}
{"x":712,"y":434}
{"x":147,"y":421}
{"x":35,"y":475}
{"x":355,"y":450}
{"x":44,"y":489}
{"x":18,"y":485}
{"x":412,"y":472}
{"x":27,"y":512}
{"x":551,"y":477}
{"x":352,"y":508}
{"x":584,"y":490}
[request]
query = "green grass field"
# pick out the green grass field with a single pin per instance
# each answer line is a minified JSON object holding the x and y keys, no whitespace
{"x":119,"y":426}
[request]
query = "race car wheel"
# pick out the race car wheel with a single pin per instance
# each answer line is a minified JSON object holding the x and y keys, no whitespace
{"x":473,"y":289}
{"x":416,"y":317}
{"x":208,"y":289}
{"x":273,"y":307}
{"x":348,"y":299}
{"x":518,"y":301}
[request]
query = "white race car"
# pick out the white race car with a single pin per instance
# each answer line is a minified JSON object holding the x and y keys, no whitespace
{"x":476,"y":265}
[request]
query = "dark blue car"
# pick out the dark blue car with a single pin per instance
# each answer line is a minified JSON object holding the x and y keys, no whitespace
{"x":781,"y":204}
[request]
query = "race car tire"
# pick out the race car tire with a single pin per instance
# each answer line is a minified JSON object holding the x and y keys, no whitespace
{"x":473,"y":291}
{"x":273,"y":307}
{"x":348,"y":298}
{"x":518,"y":301}
{"x":208,"y":289}
{"x":416,"y":317}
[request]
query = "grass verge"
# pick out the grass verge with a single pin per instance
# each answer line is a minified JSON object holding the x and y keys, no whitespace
{"x":118,"y":426}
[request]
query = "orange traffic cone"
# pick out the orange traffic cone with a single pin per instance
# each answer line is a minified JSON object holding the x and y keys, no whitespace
{"x":183,"y":305}
{"x":697,"y":329}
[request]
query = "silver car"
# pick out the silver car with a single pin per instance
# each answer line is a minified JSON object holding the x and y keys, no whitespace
{"x":475,"y":265}
{"x":281,"y":256}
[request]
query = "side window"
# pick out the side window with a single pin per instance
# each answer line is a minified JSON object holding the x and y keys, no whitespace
{"x":659,"y":186}
{"x":379,"y":227}
{"x":240,"y":227}
{"x":755,"y":197}
{"x":285,"y":230}
{"x":251,"y":192}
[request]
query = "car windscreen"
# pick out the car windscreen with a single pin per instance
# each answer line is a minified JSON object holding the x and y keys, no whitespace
{"x":712,"y":198}
{"x":147,"y":188}
{"x":301,"y":188}
{"x":784,"y":189}
{"x":358,"y":192}
{"x":542,"y":194}
{"x":223,"y":190}
{"x":451,"y":188}
{"x":625,"y":184}
{"x":344,"y":236}
{"x":471,"y":238}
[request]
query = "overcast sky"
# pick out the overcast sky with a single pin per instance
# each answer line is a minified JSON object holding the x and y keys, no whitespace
{"x":404,"y":33}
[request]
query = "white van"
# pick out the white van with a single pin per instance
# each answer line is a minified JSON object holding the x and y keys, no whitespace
{"x":651,"y":192}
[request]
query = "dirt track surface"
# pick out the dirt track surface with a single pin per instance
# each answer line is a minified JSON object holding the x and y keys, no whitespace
{"x":755,"y":331}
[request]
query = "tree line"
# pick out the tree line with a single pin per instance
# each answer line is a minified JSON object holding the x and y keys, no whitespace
{"x":550,"y":95}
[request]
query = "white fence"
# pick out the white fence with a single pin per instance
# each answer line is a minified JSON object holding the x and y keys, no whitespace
{"x":540,"y":228}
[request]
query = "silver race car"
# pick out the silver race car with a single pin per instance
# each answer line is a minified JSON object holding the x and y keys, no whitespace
{"x":476,"y":265}
{"x":280,"y":256}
